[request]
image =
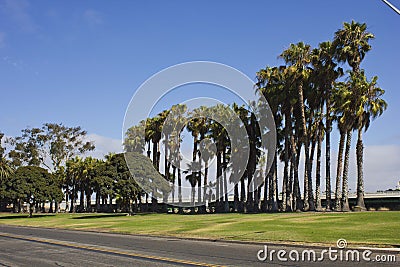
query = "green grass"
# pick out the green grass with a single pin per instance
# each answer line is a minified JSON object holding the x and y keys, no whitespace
{"x":364,"y":228}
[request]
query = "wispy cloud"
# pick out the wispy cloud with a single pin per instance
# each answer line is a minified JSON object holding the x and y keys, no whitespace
{"x":93,"y":17}
{"x":381,"y":166}
{"x":104,"y":145}
{"x":18,"y":11}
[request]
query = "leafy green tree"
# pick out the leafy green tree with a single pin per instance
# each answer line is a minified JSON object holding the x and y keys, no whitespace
{"x":49,"y":146}
{"x":34,"y":184}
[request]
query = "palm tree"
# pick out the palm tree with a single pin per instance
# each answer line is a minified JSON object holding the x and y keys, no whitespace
{"x":5,"y":167}
{"x":219,"y":134}
{"x":339,"y":169}
{"x":345,"y":109}
{"x":273,"y":84}
{"x":326,"y":73}
{"x":298,"y":57}
{"x":243,"y":114}
{"x":193,"y":126}
{"x":193,"y":178}
{"x":5,"y":172}
{"x":153,"y":132}
{"x":176,"y":121}
{"x":369,"y":105}
{"x":134,"y":139}
{"x":90,"y":165}
{"x":74,"y":172}
{"x":207,"y":152}
{"x":352,"y":43}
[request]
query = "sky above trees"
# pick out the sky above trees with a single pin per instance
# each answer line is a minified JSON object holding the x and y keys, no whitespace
{"x":80,"y":64}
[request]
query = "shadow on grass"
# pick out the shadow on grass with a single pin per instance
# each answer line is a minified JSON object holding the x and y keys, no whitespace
{"x":24,"y":216}
{"x":97,"y":216}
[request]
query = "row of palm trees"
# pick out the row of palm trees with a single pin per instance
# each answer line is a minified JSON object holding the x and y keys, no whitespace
{"x":311,"y":92}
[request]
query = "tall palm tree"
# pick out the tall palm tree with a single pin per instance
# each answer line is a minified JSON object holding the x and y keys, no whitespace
{"x":345,"y":109}
{"x":176,"y":121}
{"x":90,"y":165}
{"x":218,"y":133}
{"x":298,"y":58}
{"x":369,"y":105}
{"x":74,"y":173}
{"x":194,"y":126}
{"x":207,"y":152}
{"x":351,"y":43}
{"x":271,"y":83}
{"x":326,"y":72}
{"x":239,"y":201}
{"x":339,"y":167}
{"x":153,"y":132}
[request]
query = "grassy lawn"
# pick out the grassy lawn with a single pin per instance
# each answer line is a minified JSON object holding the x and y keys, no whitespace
{"x":365,"y":228}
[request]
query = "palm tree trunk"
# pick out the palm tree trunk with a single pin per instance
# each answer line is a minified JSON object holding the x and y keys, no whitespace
{"x":345,"y":185}
{"x":312,"y":154}
{"x":180,"y":190}
{"x":148,"y":149}
{"x":226,"y":202}
{"x":308,"y":200}
{"x":81,"y":200}
{"x":288,"y":182}
{"x":251,"y":164}
{"x":218,"y":183}
{"x":287,"y":187}
{"x":173,"y":181}
{"x":264,"y":204}
{"x":88,"y":200}
{"x":236,"y":198}
{"x":318,"y":171}
{"x":205,"y":183}
{"x":296,"y":185}
{"x":98,"y":199}
{"x":72,"y":198}
{"x":284,"y":186}
{"x":154,"y":200}
{"x":360,"y":174}
{"x":194,"y":173}
{"x":328,"y":154}
{"x":193,"y":195}
{"x":274,"y":185}
{"x":242,"y":192}
{"x":338,"y":202}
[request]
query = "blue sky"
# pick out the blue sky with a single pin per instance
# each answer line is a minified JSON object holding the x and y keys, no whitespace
{"x":80,"y":62}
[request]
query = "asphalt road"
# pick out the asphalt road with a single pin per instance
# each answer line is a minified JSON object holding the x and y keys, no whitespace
{"x":24,"y":246}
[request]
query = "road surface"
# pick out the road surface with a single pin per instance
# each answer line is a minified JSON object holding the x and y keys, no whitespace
{"x":25,"y":246}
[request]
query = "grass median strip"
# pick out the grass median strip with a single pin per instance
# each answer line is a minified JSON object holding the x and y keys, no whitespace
{"x":380,"y":229}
